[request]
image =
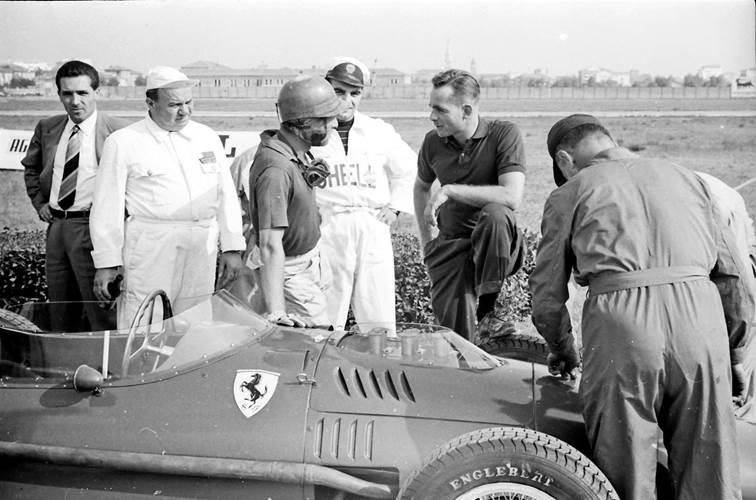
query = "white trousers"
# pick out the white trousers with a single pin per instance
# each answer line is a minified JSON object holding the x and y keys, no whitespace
{"x":176,"y":257}
{"x":358,"y":249}
{"x":306,"y":280}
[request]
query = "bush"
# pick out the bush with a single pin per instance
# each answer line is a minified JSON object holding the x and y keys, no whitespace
{"x":22,"y":268}
{"x":413,"y":285}
{"x":22,"y":276}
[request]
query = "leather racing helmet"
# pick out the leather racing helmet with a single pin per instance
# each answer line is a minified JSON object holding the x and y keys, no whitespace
{"x":308,"y":97}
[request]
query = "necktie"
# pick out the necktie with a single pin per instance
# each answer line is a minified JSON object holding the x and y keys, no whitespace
{"x":67,"y":191}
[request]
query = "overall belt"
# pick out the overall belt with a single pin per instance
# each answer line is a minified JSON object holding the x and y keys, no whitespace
{"x":611,"y":282}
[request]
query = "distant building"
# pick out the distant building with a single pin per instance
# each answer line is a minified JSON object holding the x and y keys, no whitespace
{"x":424,"y":75}
{"x":12,"y":70}
{"x":389,"y":77}
{"x":707,"y":72}
{"x":6,"y":74}
{"x":212,"y":74}
{"x":603,"y":76}
{"x":494,"y":79}
{"x":124,"y":76}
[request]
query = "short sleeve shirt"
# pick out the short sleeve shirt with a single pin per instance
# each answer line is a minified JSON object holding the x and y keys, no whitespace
{"x":280,"y":197}
{"x":496,"y":148}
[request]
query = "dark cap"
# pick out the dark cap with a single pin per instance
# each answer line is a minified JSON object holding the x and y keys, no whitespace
{"x":557,"y":133}
{"x":348,"y":73}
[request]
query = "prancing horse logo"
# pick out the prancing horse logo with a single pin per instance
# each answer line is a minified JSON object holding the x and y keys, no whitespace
{"x":253,"y":389}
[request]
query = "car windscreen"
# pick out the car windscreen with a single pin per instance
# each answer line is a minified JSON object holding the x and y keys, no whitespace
{"x":216,"y":325}
{"x":423,"y":345}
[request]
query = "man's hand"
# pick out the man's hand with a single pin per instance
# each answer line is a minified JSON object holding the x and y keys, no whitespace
{"x":431,"y":209}
{"x":387,"y":215}
{"x":564,"y":364}
{"x":739,"y":384}
{"x":284,"y":319}
{"x":102,"y":279}
{"x":44,"y":213}
{"x":229,"y":267}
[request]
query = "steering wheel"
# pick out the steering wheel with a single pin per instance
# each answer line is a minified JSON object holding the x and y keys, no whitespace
{"x":153,"y":341}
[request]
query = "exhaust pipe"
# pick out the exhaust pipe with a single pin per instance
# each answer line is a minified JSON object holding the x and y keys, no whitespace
{"x":184,"y":465}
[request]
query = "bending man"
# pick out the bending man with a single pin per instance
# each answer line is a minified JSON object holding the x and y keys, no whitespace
{"x":667,"y":290}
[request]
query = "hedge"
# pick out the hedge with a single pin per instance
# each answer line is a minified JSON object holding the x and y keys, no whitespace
{"x":22,"y":276}
{"x":22,"y":267}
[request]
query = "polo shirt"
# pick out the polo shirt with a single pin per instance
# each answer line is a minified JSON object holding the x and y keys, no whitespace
{"x":279,"y":196}
{"x":495,"y":148}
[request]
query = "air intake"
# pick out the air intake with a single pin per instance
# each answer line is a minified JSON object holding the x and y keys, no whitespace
{"x":369,"y":384}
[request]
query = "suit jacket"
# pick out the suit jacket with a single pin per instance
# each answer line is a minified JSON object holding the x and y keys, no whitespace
{"x":40,"y":157}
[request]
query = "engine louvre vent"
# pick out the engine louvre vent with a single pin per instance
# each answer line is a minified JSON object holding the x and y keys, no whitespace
{"x":343,"y":439}
{"x":365,"y":383}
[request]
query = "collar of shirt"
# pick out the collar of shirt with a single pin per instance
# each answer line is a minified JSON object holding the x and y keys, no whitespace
{"x":87,"y":127}
{"x":480,"y":133}
{"x":277,"y":142}
{"x":615,"y":153}
{"x":162,"y":135}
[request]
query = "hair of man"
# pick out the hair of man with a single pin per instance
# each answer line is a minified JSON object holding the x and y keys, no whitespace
{"x":72,"y":69}
{"x":464,"y":86}
{"x":577,"y":134}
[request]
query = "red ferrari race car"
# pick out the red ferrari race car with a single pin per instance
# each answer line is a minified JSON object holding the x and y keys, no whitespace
{"x":216,"y":402}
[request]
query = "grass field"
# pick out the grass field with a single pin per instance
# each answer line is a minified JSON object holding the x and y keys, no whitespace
{"x":722,"y":146}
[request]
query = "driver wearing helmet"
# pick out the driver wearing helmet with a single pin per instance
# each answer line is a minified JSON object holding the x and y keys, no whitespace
{"x":282,"y":204}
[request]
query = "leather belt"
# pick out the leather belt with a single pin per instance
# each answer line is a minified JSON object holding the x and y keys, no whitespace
{"x":69,"y":214}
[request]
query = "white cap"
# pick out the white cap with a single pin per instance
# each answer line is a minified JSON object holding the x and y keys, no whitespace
{"x":165,"y":77}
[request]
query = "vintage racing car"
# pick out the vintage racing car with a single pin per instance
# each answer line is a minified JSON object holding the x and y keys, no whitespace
{"x":216,"y":402}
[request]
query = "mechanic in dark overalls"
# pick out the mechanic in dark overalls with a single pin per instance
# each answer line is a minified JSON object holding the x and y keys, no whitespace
{"x":667,"y":290}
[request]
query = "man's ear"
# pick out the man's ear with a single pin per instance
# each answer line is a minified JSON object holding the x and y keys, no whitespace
{"x":564,"y":162}
{"x":467,"y":110}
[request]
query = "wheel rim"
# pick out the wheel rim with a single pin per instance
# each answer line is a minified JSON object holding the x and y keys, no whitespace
{"x":505,"y":491}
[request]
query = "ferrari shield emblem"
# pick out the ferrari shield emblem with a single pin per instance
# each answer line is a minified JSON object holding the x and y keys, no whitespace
{"x":253,"y":389}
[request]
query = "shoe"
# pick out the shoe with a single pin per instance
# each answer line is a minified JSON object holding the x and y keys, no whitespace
{"x":491,"y":327}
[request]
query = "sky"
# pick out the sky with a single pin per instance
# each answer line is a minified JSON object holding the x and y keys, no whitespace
{"x":661,"y":37}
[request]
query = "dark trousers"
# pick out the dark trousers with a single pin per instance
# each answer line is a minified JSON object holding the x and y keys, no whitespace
{"x":70,"y":276}
{"x":462,"y":269}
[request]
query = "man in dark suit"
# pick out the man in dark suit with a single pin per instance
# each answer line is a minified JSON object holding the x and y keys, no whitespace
{"x":60,"y":167}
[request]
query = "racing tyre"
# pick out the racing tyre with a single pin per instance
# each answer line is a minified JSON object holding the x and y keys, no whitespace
{"x":517,"y":346}
{"x":507,"y":463}
{"x":10,"y":319}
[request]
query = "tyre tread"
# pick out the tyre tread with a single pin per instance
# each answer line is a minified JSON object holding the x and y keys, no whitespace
{"x":514,"y":438}
{"x":517,"y":346}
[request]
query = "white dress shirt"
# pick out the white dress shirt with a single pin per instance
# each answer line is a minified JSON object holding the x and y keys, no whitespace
{"x":168,"y":176}
{"x":85,"y":177}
